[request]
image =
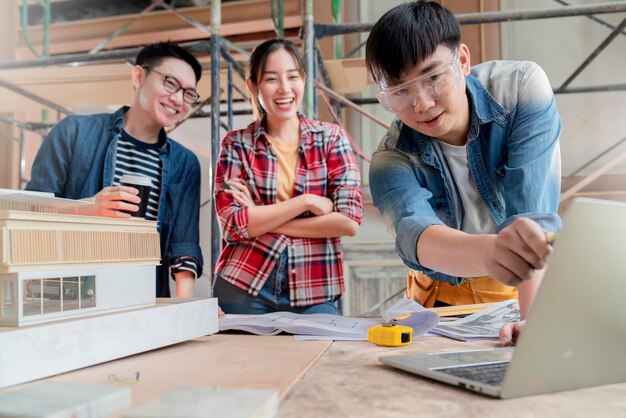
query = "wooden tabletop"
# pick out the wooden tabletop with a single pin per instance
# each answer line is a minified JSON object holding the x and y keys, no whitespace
{"x":349,"y":381}
{"x":342,"y":379}
{"x":224,"y":360}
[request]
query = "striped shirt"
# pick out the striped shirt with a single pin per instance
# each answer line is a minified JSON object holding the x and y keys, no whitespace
{"x":325,"y":167}
{"x":138,"y":157}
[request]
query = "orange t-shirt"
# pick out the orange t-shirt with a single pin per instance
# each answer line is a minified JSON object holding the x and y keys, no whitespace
{"x":287,"y":156}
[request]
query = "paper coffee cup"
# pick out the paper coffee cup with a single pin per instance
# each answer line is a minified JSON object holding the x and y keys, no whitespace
{"x":143,"y":184}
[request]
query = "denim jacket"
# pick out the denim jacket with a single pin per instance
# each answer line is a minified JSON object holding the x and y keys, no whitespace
{"x":513,"y":153}
{"x":77,"y":160}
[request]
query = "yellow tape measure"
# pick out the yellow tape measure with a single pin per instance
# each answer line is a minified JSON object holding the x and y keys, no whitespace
{"x":390,"y":335}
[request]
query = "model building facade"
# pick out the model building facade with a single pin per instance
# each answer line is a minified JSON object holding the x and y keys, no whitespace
{"x":55,"y":266}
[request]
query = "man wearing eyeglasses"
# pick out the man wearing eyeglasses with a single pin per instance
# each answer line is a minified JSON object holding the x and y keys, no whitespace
{"x":468,"y":175}
{"x":86,"y":157}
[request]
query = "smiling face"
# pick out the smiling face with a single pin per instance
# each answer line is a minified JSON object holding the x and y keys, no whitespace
{"x":447,"y":117}
{"x":158,"y":106}
{"x":280,"y":87}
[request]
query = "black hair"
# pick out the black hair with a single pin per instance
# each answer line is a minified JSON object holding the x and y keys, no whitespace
{"x":406,"y":35}
{"x":152,"y":55}
{"x":258,"y":59}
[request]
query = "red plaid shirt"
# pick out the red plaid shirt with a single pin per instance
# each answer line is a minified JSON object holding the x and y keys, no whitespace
{"x":326,"y":167}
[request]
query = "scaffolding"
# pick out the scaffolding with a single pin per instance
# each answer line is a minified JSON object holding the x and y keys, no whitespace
{"x":222,"y":53}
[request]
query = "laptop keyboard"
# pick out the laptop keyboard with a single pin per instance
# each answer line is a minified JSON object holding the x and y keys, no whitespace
{"x":491,"y":374}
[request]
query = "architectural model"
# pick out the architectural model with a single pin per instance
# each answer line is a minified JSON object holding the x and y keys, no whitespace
{"x":63,"y":276}
{"x":55,"y":266}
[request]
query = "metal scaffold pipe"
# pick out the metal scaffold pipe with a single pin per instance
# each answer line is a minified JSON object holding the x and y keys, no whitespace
{"x":324,"y":30}
{"x":616,"y":31}
{"x":100,"y":57}
{"x":346,"y":102}
{"x":34,"y":97}
{"x":216,"y":18}
{"x":309,"y":60}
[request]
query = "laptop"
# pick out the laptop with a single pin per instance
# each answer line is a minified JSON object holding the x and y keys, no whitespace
{"x":575,"y":333}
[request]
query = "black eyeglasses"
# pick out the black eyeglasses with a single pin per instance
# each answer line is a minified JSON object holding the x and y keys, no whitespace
{"x":171,"y":85}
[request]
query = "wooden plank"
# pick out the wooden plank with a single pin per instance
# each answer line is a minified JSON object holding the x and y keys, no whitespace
{"x":93,"y":85}
{"x":347,"y":76}
{"x":237,"y":17}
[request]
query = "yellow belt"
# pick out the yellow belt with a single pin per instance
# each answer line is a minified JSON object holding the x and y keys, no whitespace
{"x":484,"y":289}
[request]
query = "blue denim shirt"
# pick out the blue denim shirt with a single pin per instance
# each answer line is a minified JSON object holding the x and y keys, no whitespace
{"x":77,"y":160}
{"x":513,"y":152}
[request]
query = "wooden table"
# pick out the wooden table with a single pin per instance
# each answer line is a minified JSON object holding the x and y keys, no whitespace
{"x":349,"y":381}
{"x":342,"y":379}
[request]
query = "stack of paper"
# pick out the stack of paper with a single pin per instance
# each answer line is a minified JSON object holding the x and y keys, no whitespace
{"x":481,"y":325}
{"x":198,"y":402}
{"x":332,"y":327}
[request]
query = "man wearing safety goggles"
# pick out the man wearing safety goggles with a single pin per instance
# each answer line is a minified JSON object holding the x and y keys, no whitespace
{"x":468,"y":175}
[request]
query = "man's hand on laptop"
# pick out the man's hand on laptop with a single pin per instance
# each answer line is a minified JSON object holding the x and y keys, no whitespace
{"x":510,"y":332}
{"x":517,"y":252}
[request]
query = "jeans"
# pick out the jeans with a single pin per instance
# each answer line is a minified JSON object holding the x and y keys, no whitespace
{"x":273,"y":297}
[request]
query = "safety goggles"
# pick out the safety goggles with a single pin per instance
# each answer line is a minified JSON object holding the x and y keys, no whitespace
{"x":433,"y":85}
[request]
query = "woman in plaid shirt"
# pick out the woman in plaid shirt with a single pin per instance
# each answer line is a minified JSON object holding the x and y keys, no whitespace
{"x":286,"y":189}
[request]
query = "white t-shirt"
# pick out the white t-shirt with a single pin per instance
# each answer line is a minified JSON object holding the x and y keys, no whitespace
{"x":476,"y":217}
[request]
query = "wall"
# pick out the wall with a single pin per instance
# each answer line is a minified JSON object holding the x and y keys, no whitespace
{"x":592,"y":122}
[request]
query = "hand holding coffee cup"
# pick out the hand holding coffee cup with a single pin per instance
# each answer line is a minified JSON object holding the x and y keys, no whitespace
{"x":111,"y":201}
{"x":143,"y":185}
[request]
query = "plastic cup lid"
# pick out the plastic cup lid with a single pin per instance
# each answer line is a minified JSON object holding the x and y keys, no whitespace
{"x":136,"y":179}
